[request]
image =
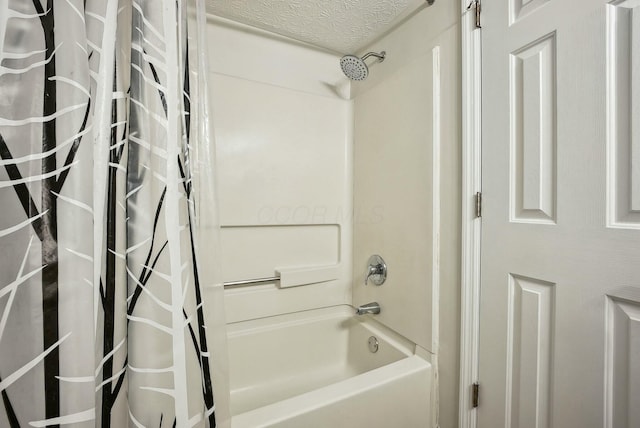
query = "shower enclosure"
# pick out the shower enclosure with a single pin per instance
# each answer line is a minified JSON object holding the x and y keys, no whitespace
{"x":321,"y":163}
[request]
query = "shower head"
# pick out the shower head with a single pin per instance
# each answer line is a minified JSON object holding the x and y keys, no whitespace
{"x":355,"y":68}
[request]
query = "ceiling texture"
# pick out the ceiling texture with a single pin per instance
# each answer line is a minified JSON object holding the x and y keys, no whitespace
{"x":342,"y":26}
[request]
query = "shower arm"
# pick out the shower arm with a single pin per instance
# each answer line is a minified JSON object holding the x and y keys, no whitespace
{"x":380,"y":55}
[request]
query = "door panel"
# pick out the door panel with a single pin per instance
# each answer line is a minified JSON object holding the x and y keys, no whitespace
{"x":560,"y":299}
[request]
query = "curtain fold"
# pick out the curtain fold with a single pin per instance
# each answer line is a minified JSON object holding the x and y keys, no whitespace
{"x":105,"y":173}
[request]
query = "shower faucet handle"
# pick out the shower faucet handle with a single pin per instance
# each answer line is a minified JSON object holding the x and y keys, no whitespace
{"x":376,"y":270}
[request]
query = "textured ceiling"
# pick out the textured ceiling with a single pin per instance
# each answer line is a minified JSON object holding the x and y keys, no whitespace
{"x":344,"y":26}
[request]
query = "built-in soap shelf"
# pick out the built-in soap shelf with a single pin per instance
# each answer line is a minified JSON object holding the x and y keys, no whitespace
{"x":293,"y":277}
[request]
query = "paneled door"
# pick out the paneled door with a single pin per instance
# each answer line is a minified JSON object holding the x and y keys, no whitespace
{"x":560,"y":282}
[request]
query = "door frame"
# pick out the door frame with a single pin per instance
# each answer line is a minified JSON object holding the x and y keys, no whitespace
{"x":471,"y":38}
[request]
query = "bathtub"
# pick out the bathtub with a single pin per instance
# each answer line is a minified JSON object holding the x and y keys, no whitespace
{"x":315,"y":369}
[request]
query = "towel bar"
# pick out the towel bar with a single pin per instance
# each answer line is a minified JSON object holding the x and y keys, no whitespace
{"x":232,"y":284}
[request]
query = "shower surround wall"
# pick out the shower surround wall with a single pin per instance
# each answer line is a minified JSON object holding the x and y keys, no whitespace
{"x":407,"y":170}
{"x":283,"y":134}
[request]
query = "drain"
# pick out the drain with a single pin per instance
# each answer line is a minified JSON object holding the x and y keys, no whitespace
{"x":373,"y":344}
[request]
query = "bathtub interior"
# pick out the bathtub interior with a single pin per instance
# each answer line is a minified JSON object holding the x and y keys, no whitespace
{"x":275,"y":358}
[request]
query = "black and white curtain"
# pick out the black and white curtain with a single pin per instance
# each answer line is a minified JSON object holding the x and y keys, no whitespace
{"x":102,"y":302}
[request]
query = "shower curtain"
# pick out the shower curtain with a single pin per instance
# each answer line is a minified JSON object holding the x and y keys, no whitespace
{"x":103,"y":144}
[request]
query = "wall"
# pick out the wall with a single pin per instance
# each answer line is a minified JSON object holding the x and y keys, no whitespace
{"x":283,"y":136}
{"x":407,"y":179}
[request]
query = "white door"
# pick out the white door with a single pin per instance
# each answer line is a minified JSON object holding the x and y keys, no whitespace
{"x":560,"y":284}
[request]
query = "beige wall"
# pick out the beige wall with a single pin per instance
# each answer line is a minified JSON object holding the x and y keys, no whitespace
{"x":401,"y":212}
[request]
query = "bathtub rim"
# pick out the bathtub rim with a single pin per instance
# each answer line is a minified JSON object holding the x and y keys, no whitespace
{"x":292,"y":407}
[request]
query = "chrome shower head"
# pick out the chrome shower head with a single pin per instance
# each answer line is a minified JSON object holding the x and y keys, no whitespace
{"x":355,"y":68}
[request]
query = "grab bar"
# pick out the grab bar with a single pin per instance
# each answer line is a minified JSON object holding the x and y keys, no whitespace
{"x":232,"y":284}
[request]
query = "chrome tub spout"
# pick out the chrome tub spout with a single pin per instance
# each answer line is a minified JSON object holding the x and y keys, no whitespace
{"x":369,"y":308}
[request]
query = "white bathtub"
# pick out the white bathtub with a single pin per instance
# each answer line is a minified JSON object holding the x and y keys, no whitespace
{"x":314,"y":369}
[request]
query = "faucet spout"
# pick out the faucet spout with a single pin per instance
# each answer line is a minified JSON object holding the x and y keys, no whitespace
{"x":369,"y":308}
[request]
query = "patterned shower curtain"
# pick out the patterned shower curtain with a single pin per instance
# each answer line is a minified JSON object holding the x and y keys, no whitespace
{"x":102,"y":304}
